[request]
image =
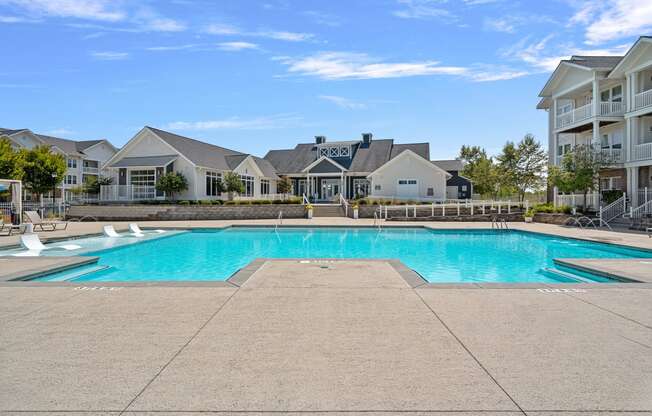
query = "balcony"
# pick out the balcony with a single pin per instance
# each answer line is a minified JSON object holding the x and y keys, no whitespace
{"x":642,"y":151}
{"x":612,"y":109}
{"x":585,"y":112}
{"x":611,"y":156}
{"x":90,"y":170}
{"x":574,"y":116}
{"x":643,"y":99}
{"x":128,"y":193}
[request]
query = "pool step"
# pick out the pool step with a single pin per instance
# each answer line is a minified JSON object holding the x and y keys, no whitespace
{"x":77,"y":272}
{"x":567,"y":275}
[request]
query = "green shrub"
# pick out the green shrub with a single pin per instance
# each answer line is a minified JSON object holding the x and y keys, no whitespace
{"x":184,"y":202}
{"x":205,"y":202}
{"x":231,"y":203}
{"x":362,"y":201}
{"x":611,"y":196}
{"x":216,"y":202}
{"x":564,"y":209}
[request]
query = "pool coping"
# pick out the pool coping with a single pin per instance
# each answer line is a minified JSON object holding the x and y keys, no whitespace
{"x":411,"y":277}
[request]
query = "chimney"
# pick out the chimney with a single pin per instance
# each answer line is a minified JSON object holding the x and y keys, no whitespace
{"x":320,"y":139}
{"x":366,"y":138}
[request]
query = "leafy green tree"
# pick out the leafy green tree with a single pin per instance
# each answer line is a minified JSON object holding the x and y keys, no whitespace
{"x":233,"y":184}
{"x":93,"y":184}
{"x":172,"y":183}
{"x":578,"y":171}
{"x":284,"y":186}
{"x":43,"y":169}
{"x":11,"y":160}
{"x":522,"y":166}
{"x":480,"y":169}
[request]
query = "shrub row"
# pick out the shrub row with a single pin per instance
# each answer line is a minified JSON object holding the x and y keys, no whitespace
{"x":550,"y":209}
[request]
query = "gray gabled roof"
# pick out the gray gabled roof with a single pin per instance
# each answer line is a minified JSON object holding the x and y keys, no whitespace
{"x":69,"y":147}
{"x":366,"y":158}
{"x":200,"y":153}
{"x":209,"y":155}
{"x":144,"y":161}
{"x":449,"y":165}
{"x":595,"y":62}
{"x":85,"y":144}
{"x":9,"y":132}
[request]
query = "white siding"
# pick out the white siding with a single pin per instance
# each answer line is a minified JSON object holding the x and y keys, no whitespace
{"x":408,"y":168}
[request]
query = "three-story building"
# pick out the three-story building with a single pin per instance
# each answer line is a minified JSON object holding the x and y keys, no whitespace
{"x":606,"y":102}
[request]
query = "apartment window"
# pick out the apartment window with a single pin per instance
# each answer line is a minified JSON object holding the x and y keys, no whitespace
{"x":566,"y":108}
{"x":614,"y":94}
{"x":248,"y":182}
{"x":609,"y":183}
{"x":70,"y":180}
{"x":264,"y":186}
{"x":213,"y":182}
{"x":567,"y":148}
{"x":377,"y":187}
{"x":407,"y":181}
{"x":361,"y":187}
{"x":72,"y":163}
{"x":430,"y":192}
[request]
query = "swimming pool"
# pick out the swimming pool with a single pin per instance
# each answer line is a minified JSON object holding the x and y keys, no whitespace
{"x":437,"y":255}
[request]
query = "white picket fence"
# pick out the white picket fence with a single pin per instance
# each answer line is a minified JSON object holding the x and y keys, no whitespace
{"x":452,"y":208}
{"x":592,"y":200}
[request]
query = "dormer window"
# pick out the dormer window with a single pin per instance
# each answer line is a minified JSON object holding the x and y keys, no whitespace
{"x":344,"y":151}
{"x":323,"y":151}
{"x":334,"y":152}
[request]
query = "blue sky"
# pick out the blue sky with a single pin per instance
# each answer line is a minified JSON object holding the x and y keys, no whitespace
{"x":257,"y":75}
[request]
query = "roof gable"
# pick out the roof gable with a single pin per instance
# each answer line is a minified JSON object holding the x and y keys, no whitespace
{"x":407,"y":153}
{"x":635,"y":56}
{"x":324,"y":165}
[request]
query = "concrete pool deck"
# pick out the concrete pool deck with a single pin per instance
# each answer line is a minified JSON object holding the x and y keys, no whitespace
{"x":336,"y":337}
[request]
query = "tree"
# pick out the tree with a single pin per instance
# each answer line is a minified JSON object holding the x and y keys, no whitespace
{"x":93,"y":184}
{"x":284,"y":186}
{"x":233,"y":184}
{"x":11,"y":160}
{"x":480,"y":169}
{"x":172,"y":183}
{"x":43,"y":170}
{"x":579,"y":170}
{"x":522,"y":167}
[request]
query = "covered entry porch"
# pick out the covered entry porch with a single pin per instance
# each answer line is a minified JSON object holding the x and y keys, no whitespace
{"x":134,"y":178}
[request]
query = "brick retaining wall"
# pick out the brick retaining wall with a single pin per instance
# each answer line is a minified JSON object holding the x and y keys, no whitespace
{"x":184,"y":212}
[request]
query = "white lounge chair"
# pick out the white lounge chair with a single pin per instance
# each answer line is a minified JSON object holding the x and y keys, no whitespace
{"x":134,"y":228}
{"x":109,"y":231}
{"x":33,"y":243}
{"x":36,"y":219}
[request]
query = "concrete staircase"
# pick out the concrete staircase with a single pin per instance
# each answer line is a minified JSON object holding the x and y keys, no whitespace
{"x":327,"y":210}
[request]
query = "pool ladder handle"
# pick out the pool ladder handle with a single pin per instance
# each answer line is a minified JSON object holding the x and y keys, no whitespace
{"x":377,"y":222}
{"x":499,"y":224}
{"x":279,"y":220}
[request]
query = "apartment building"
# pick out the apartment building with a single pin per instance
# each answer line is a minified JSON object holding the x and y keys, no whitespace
{"x":605,"y":101}
{"x":84,"y":159}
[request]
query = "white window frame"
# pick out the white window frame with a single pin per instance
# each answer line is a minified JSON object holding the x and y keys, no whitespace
{"x":264,"y":186}
{"x":249,"y":183}
{"x":211,"y":181}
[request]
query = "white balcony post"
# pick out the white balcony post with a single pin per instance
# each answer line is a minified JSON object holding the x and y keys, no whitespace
{"x":596,"y":96}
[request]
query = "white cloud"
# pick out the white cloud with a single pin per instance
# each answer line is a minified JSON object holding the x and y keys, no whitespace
{"x":423,"y":9}
{"x":343,"y":102}
{"x":109,"y":56}
{"x":104,"y":10}
{"x":545,"y":58}
{"x":239,"y":123}
{"x":348,"y":65}
{"x":221,"y":29}
{"x":16,"y":19}
{"x":236,"y":46}
{"x":171,"y":47}
{"x":230,"y":30}
{"x":610,"y":20}
{"x":134,"y":17}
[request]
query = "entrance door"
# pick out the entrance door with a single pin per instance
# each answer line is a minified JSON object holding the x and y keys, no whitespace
{"x":330,"y":188}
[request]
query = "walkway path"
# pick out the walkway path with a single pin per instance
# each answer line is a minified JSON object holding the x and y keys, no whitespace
{"x":344,"y":336}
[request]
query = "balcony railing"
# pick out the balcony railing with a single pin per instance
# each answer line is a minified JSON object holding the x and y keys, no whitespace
{"x":612,"y":108}
{"x":574,"y":116}
{"x":643,"y":99}
{"x":90,"y":170}
{"x":611,"y":156}
{"x":642,"y":151}
{"x":127,"y":193}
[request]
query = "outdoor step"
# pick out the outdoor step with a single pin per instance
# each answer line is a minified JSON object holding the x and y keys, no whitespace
{"x":328,"y":211}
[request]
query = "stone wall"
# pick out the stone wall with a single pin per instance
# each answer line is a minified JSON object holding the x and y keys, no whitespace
{"x":184,"y":212}
{"x":559,"y":219}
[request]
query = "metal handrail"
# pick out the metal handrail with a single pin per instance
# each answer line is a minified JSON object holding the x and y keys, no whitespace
{"x":345,"y":204}
{"x":613,"y":210}
{"x":279,"y":219}
{"x":305,"y":200}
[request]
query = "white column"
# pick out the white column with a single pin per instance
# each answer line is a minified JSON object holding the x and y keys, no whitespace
{"x":554,"y":112}
{"x":596,"y":132}
{"x":596,"y":95}
{"x":634,"y":89}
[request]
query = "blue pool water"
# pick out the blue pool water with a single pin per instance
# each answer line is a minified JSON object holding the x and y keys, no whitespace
{"x":437,"y":255}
